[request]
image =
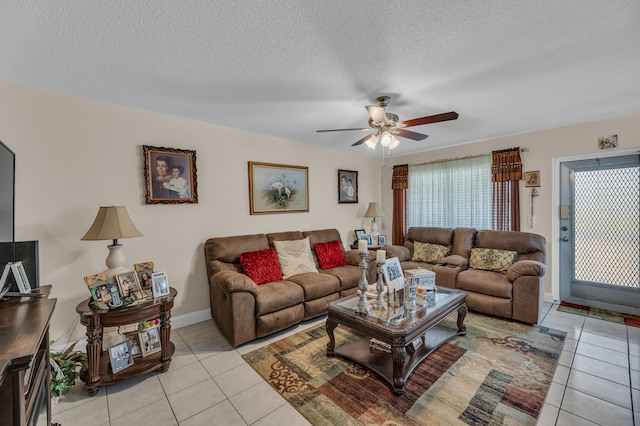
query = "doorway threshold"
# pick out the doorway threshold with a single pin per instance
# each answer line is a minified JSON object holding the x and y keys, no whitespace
{"x":602,"y":305}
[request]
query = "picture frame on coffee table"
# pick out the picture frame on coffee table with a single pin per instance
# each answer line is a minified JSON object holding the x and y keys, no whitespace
{"x":393,"y":275}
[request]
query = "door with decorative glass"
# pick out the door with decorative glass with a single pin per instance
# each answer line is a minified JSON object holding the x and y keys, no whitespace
{"x":600,"y":231}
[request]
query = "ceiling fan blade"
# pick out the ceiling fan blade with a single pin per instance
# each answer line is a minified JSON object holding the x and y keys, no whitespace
{"x":430,"y":119}
{"x":409,"y":134}
{"x":363,"y":140}
{"x":377,"y":114}
{"x":342,"y":130}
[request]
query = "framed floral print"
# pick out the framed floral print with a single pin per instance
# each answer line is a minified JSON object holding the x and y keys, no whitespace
{"x":278,"y":188}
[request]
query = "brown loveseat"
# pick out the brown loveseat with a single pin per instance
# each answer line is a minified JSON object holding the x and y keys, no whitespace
{"x":245,"y":311}
{"x":515,"y":291}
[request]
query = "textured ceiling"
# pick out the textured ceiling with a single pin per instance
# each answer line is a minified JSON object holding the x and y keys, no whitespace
{"x":287,"y":68}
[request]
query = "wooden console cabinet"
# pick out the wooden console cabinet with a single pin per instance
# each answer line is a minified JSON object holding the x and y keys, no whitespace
{"x":24,"y":359}
{"x":99,"y":372}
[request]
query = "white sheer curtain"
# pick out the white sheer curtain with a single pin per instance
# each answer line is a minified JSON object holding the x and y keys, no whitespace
{"x":449,"y":194}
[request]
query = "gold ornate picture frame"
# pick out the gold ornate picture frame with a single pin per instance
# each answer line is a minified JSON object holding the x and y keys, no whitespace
{"x":278,"y":188}
{"x":169,"y":175}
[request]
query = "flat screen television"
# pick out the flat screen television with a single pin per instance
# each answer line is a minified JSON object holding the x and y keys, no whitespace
{"x":7,"y":191}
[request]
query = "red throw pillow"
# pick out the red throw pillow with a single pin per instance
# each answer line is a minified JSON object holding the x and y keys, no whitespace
{"x":330,"y":255}
{"x":261,"y":266}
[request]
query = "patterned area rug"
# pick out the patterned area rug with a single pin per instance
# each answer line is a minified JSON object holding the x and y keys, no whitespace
{"x":499,"y":373}
{"x":603,"y":314}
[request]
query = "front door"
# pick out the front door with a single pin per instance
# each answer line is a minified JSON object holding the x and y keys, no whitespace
{"x":600,"y":230}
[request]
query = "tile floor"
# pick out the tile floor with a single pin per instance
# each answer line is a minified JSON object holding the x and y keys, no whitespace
{"x":597,"y":382}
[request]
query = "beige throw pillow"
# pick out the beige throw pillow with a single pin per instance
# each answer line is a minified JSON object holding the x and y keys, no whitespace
{"x":295,"y":257}
{"x":429,"y":253}
{"x":492,"y":259}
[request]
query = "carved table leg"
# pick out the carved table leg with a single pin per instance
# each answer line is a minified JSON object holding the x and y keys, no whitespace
{"x":330,"y":326}
{"x":165,"y":339}
{"x":462,"y":313}
{"x":398,"y":352}
{"x":94,"y":350}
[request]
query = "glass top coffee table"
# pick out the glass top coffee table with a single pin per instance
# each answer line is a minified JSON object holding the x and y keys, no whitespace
{"x":401,"y":338}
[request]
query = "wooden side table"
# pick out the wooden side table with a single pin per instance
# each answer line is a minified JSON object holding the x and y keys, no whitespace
{"x":95,"y":320}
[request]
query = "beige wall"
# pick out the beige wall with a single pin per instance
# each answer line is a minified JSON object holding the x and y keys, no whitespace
{"x":74,"y":155}
{"x":544,"y":148}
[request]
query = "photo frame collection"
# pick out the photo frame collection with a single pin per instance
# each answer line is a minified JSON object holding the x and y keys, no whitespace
{"x":128,"y":288}
{"x":142,"y":342}
{"x":380,"y":240}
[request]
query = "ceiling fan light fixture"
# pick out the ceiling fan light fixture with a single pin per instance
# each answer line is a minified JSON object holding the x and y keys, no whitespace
{"x":372,"y":141}
{"x":394,"y":142}
{"x":386,"y":138}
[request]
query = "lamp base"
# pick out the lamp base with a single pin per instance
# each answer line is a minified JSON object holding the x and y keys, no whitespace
{"x":115,"y":261}
{"x":374,"y":228}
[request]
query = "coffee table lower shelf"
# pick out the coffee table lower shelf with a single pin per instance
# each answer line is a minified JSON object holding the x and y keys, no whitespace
{"x":382,"y":362}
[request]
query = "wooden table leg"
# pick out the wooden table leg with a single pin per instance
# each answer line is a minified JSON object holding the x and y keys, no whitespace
{"x":165,"y":339}
{"x":330,"y":326}
{"x":398,"y":353}
{"x":462,"y":313}
{"x":94,"y":350}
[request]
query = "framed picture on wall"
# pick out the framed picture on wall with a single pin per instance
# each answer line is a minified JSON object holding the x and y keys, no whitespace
{"x":278,"y":188}
{"x":532,"y":179}
{"x":347,"y":186}
{"x":169,"y":175}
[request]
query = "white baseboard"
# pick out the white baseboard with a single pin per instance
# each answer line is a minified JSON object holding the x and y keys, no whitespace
{"x":176,"y":323}
{"x":548,"y":297}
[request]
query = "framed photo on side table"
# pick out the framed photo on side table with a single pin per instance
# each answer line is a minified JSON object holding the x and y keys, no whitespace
{"x":120,"y":356}
{"x":149,"y":341}
{"x":347,"y":186}
{"x":382,"y":240}
{"x":144,"y":271}
{"x":134,"y":343}
{"x":360,"y":234}
{"x":159,"y":284}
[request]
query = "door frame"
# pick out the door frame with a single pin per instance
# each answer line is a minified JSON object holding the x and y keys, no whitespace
{"x":555,"y":206}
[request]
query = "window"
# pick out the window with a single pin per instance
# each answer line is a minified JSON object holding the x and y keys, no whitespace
{"x":449,"y":194}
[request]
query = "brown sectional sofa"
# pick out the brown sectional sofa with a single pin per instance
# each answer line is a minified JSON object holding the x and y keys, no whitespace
{"x":245,"y":311}
{"x":516,"y":293}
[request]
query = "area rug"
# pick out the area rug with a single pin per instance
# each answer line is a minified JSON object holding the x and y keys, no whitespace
{"x":603,"y":314}
{"x":499,"y":373}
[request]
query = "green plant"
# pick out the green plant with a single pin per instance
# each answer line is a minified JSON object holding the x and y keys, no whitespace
{"x":64,"y":369}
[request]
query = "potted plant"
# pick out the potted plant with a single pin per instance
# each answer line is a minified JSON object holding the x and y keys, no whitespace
{"x":64,"y":370}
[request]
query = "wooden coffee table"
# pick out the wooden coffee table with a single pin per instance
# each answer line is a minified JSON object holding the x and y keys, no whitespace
{"x":411,"y":335}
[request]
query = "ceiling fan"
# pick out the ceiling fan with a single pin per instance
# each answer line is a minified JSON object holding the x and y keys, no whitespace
{"x":387,"y":126}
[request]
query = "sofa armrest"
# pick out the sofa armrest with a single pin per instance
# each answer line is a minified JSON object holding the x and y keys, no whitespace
{"x":232,"y":281}
{"x":456,"y":260}
{"x":352,"y":257}
{"x":401,"y":252}
{"x":526,"y":268}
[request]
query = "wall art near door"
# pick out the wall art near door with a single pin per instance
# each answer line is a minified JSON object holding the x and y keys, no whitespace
{"x":278,"y":188}
{"x":169,"y":175}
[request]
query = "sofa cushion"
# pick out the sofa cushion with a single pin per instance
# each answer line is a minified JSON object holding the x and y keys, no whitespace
{"x":330,"y":255}
{"x":261,"y":266}
{"x":485,"y":282}
{"x":295,"y":257}
{"x":277,"y":295}
{"x":429,"y":253}
{"x":492,"y":259}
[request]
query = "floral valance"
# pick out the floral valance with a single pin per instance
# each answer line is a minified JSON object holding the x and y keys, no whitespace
{"x":506,"y":165}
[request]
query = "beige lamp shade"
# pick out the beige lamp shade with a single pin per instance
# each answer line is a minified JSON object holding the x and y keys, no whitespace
{"x":112,"y":223}
{"x":374,"y":210}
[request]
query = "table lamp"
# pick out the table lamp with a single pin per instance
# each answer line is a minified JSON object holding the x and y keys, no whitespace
{"x":113,"y":223}
{"x":374,"y":211}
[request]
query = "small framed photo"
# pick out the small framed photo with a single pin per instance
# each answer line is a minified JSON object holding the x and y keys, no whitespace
{"x":360,"y":234}
{"x":382,"y":240}
{"x":159,"y":284}
{"x":369,"y":239}
{"x":129,"y":286}
{"x":392,"y":274}
{"x":609,"y":141}
{"x":532,"y":179}
{"x":133,"y":339}
{"x":149,"y":341}
{"x":120,"y":356}
{"x":169,"y":175}
{"x":143,"y":272}
{"x":99,"y":287}
{"x":347,"y":186}
{"x":20,"y":276}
